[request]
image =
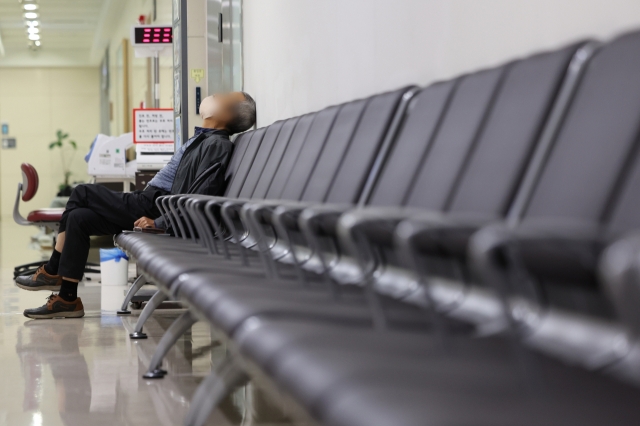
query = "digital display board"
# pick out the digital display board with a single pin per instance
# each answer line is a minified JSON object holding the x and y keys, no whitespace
{"x":145,"y":35}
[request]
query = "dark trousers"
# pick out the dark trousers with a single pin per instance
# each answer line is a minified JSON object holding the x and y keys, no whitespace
{"x":96,"y":210}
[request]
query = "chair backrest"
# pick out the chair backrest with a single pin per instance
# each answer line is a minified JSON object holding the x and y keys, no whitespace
{"x":262,"y":156}
{"x":341,"y":146}
{"x":30,"y":181}
{"x":422,"y":119}
{"x":622,"y":214}
{"x":242,"y":170}
{"x":240,"y":144}
{"x":433,"y":145}
{"x":291,"y":154}
{"x":497,"y":163}
{"x":277,"y":155}
{"x":454,"y":141}
{"x":370,"y":142}
{"x":309,"y":154}
{"x":333,"y":150}
{"x":468,"y":150}
{"x":590,"y":175}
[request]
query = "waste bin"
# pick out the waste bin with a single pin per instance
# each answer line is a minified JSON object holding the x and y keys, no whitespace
{"x":114,"y":274}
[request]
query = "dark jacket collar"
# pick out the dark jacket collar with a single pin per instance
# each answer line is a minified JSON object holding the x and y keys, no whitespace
{"x":209,"y":132}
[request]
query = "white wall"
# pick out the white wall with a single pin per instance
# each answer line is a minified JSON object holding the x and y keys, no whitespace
{"x":36,"y":102}
{"x":302,"y":55}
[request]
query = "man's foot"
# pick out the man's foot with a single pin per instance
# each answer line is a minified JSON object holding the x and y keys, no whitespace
{"x":41,"y":280}
{"x":57,"y":307}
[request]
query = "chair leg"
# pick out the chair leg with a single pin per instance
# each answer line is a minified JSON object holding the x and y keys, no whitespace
{"x":170,"y":337}
{"x":31,"y":268}
{"x":213,"y":390}
{"x":152,"y":304}
{"x":27,"y":268}
{"x":30,"y":265}
{"x":137,"y":285}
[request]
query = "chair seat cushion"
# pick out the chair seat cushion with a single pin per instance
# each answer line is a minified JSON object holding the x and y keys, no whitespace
{"x":227,"y":301}
{"x":45,"y":215}
{"x":357,"y":377}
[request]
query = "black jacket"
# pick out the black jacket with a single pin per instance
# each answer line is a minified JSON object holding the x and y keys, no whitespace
{"x":211,"y":148}
{"x":203,"y":166}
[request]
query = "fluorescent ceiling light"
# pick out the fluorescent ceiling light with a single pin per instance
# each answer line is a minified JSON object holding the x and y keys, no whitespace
{"x":30,"y":6}
{"x":33,"y":30}
{"x":33,"y":23}
{"x":31,"y":15}
{"x":34,"y":37}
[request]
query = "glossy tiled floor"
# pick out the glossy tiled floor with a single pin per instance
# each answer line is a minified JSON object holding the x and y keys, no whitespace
{"x":88,"y":372}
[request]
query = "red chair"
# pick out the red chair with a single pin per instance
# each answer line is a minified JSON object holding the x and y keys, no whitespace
{"x":48,"y":217}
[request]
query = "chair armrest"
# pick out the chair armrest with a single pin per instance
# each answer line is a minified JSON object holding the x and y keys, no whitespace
{"x":212,"y":203}
{"x":178,"y":206}
{"x":256,"y":214}
{"x":260,"y":212}
{"x":499,"y":252}
{"x":229,"y":211}
{"x":171,"y":203}
{"x":233,"y":206}
{"x":431,"y":233}
{"x":375,"y":224}
{"x":322,"y":218}
{"x":171,"y":208}
{"x":619,"y":269}
{"x":161,"y":207}
{"x":506,"y":258}
{"x":194,"y":209}
{"x":522,"y":239}
{"x":187,"y":218}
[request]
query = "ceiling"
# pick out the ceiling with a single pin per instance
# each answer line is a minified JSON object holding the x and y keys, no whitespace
{"x":72,"y":32}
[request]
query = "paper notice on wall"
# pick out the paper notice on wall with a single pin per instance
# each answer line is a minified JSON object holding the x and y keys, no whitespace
{"x":153,"y":125}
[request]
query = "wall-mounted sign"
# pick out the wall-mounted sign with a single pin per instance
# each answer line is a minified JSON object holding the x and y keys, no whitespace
{"x":5,"y":128}
{"x":153,"y":125}
{"x":197,"y":74}
{"x":8,"y":143}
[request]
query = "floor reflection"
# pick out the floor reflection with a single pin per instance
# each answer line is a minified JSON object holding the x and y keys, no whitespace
{"x":88,"y":372}
{"x":67,"y":365}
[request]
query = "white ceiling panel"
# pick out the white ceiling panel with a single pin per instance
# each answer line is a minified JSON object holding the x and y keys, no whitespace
{"x":67,"y":30}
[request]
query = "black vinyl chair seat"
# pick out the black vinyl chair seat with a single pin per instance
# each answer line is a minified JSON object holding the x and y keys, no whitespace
{"x":354,"y":376}
{"x":230,"y":300}
{"x":152,"y":254}
{"x":124,"y":239}
{"x":164,"y":272}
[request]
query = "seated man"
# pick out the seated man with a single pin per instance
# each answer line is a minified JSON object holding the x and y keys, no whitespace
{"x":95,"y":210}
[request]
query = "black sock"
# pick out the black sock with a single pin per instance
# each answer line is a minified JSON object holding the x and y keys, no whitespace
{"x":69,"y":290}
{"x":54,"y":261}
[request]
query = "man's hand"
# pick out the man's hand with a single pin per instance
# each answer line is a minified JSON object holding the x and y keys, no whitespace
{"x":144,"y":222}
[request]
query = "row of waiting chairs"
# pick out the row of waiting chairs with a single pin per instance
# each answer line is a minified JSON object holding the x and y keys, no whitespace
{"x":456,"y":254}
